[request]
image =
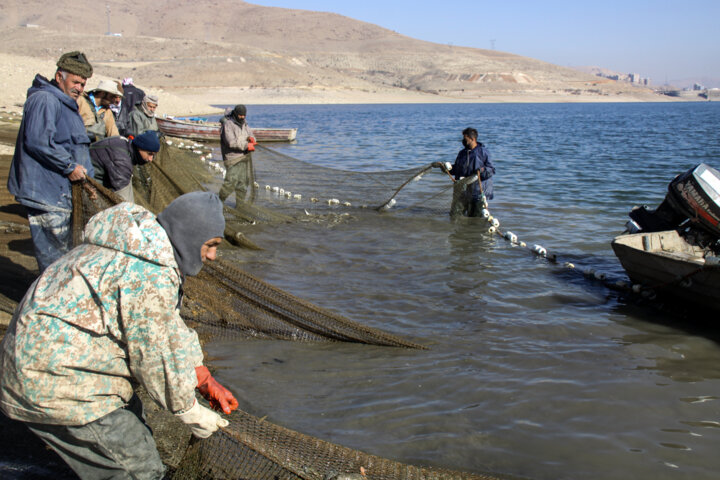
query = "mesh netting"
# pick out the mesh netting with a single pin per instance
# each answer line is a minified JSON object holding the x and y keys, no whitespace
{"x":253,"y":448}
{"x":224,"y":300}
{"x":290,"y":185}
{"x":224,"y":297}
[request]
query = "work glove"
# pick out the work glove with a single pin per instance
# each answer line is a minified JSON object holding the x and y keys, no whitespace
{"x":202,"y":421}
{"x":251,"y":144}
{"x":219,"y":397}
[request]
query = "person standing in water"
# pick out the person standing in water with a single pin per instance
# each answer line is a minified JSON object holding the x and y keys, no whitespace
{"x":473,"y":159}
{"x":236,"y":143}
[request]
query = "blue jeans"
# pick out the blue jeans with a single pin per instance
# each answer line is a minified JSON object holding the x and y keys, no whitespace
{"x":118,"y":446}
{"x":51,"y":234}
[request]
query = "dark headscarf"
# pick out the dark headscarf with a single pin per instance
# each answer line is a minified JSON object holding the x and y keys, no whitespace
{"x":238,"y":110}
{"x":190,"y":221}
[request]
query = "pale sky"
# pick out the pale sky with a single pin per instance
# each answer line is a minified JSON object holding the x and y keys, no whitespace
{"x":663,"y":40}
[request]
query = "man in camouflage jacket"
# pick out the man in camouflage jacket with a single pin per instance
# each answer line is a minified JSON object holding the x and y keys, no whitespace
{"x":105,"y":316}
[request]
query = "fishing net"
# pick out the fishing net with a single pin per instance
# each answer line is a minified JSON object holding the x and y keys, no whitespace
{"x":289,"y":185}
{"x":225,"y":301}
{"x":252,"y":448}
{"x":239,"y":303}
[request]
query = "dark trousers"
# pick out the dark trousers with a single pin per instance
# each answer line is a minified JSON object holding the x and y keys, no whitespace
{"x":118,"y":446}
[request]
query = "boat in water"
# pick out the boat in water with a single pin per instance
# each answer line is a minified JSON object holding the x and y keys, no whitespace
{"x":210,"y":131}
{"x":675,"y":248}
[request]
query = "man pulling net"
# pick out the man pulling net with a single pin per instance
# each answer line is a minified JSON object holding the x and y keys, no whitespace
{"x":472,"y":162}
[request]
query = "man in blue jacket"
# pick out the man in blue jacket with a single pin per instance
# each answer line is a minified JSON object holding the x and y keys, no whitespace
{"x":473,"y":159}
{"x":51,"y":151}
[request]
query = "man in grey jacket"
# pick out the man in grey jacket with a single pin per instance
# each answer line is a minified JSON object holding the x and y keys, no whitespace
{"x":236,"y":143}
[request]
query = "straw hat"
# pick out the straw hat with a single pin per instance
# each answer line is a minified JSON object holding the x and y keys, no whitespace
{"x":108,"y":86}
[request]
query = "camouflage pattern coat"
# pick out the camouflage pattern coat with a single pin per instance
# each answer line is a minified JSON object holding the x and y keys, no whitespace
{"x":103,"y":316}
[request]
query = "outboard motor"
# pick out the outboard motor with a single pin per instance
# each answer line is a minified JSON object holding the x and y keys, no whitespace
{"x":693,"y":196}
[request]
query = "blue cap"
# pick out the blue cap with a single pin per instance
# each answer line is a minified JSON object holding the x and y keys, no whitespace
{"x":148,"y":141}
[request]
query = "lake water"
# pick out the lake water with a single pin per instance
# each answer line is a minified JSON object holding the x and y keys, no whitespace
{"x":532,"y":370}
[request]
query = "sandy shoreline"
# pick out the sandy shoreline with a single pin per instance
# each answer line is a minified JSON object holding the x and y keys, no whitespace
{"x":328,"y":95}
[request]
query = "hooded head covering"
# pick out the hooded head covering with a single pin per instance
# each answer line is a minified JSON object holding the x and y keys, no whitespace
{"x":190,"y":221}
{"x":75,"y":63}
{"x":237,"y":111}
{"x":149,"y":99}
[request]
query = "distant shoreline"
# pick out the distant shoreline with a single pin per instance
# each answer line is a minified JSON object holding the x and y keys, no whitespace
{"x":339,"y":96}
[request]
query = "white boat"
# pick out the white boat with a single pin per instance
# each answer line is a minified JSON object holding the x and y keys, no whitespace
{"x":675,"y":249}
{"x":669,"y":264}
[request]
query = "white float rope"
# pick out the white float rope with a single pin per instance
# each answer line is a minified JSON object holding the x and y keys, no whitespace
{"x":645,"y":291}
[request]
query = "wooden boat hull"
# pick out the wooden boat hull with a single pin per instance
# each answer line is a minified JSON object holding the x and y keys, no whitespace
{"x":665,"y":262}
{"x":210,"y":131}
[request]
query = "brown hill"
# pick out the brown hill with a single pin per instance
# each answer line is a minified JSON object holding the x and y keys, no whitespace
{"x":190,"y":45}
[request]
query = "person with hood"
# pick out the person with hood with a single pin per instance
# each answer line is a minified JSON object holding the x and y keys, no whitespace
{"x":142,"y":118}
{"x":51,"y":151}
{"x":132,"y":95}
{"x":473,"y":159}
{"x":94,"y":108}
{"x":105,"y":317}
{"x":236,"y":143}
{"x":114,"y":158}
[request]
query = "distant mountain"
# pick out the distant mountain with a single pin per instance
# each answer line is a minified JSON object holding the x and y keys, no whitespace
{"x":230,"y":43}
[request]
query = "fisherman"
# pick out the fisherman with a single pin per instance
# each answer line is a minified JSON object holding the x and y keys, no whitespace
{"x":142,"y":118}
{"x":105,"y":317}
{"x":473,"y":159}
{"x":132,"y":95}
{"x":51,"y":151}
{"x":94,"y":108}
{"x":115,"y":157}
{"x":236,"y":144}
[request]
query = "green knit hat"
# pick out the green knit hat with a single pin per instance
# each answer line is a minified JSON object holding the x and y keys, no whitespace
{"x":75,"y":63}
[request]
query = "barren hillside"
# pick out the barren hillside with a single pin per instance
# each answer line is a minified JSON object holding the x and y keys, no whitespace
{"x":190,"y":45}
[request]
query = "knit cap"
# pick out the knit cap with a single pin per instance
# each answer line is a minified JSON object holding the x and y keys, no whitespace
{"x":75,"y":63}
{"x":148,"y":141}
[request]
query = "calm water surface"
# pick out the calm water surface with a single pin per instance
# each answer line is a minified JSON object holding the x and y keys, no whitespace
{"x":532,"y":369}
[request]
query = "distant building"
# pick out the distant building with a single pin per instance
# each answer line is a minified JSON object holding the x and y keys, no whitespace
{"x":633,"y":78}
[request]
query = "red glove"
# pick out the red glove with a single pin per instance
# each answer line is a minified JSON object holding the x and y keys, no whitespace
{"x":252,"y":140}
{"x":219,"y":397}
{"x":251,"y":144}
